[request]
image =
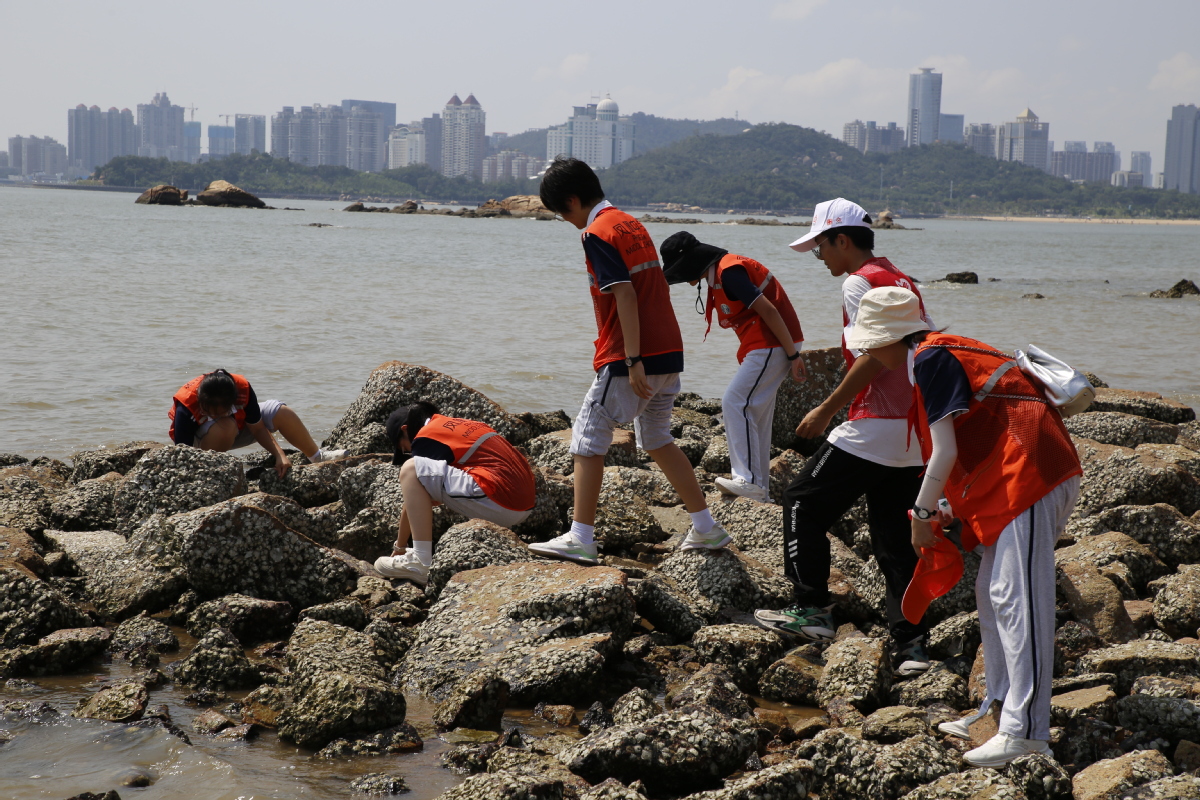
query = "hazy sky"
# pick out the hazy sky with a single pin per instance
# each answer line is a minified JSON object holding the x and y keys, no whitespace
{"x":1101,"y":70}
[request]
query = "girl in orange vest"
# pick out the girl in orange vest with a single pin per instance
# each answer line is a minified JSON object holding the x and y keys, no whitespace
{"x":459,"y":463}
{"x":749,"y":299}
{"x":219,"y":411}
{"x":1000,"y":454}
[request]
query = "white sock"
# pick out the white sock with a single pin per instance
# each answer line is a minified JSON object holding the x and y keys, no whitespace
{"x":702,"y":521}
{"x":424,"y":551}
{"x":584,"y":533}
{"x":317,"y":457}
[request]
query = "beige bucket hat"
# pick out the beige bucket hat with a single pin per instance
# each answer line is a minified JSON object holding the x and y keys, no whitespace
{"x":886,"y":314}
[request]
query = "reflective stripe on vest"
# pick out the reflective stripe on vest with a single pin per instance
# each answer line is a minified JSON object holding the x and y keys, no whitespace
{"x":465,"y":457}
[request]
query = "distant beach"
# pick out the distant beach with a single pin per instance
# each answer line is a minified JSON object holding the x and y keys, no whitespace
{"x":1094,"y":220}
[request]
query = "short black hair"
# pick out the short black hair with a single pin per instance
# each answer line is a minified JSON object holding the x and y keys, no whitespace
{"x":217,"y":390}
{"x":566,"y":178}
{"x":412,"y":418}
{"x":860,"y":237}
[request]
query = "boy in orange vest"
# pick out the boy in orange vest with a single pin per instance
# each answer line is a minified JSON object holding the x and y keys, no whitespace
{"x":996,"y":448}
{"x":219,"y":411}
{"x":638,"y":358}
{"x":749,"y":299}
{"x":460,"y":463}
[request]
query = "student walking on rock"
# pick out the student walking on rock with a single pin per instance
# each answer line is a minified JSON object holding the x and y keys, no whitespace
{"x":219,"y":411}
{"x":747,"y":298}
{"x":638,"y":358}
{"x":1000,"y":454}
{"x":463,"y":464}
{"x":868,"y":454}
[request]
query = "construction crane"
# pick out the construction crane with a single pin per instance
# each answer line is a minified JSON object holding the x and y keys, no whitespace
{"x":226,"y":118}
{"x":192,"y":109}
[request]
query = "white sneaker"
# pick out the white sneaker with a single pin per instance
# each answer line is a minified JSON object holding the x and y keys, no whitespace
{"x":1002,"y":748}
{"x":713,"y":540}
{"x":327,"y":455}
{"x":405,"y":567}
{"x":567,"y":547}
{"x":740,"y":487}
{"x":958,"y":728}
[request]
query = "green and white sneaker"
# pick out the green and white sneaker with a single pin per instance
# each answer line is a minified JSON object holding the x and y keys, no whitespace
{"x":811,"y":623}
{"x":713,"y":540}
{"x":567,"y":547}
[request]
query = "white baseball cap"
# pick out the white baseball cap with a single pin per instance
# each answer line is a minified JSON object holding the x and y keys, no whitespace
{"x":886,"y":314}
{"x":836,"y":213}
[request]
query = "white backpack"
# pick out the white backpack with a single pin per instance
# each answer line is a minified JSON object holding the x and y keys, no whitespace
{"x":1065,"y":387}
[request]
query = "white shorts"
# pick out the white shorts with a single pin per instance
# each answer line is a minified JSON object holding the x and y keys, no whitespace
{"x":459,"y":492}
{"x":245,"y":437}
{"x":611,"y":402}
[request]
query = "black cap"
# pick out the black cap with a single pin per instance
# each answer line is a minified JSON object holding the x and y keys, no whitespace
{"x":394,"y":425}
{"x":686,"y":258}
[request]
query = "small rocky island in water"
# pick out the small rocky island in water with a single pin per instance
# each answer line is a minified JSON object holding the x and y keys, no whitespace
{"x":648,"y":670}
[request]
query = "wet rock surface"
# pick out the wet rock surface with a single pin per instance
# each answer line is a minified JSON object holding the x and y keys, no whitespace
{"x":217,"y":663}
{"x":118,"y":581}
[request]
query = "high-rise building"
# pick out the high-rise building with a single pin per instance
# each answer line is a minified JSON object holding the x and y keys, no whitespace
{"x":160,"y":129}
{"x":496,"y":141}
{"x":1181,"y":164}
{"x":950,"y":128}
{"x":432,"y":127}
{"x":981,"y":137}
{"x":314,"y":136}
{"x":1071,"y":162}
{"x":1027,"y":140}
{"x":869,"y":138}
{"x":595,"y":133}
{"x":193,"y":134}
{"x":854,"y":134}
{"x":3,"y":159}
{"x":387,"y":116}
{"x":1125,"y":178}
{"x":1103,"y":161}
{"x":924,"y":106}
{"x":510,"y":164}
{"x":95,"y":137}
{"x":366,"y":139}
{"x":1139,"y":161}
{"x":221,"y":139}
{"x":37,"y":155}
{"x":249,"y":134}
{"x":406,"y":146}
{"x":464,"y":139}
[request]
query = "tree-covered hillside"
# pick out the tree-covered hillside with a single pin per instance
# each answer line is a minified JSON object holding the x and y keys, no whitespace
{"x":652,"y":133}
{"x":776,"y":166}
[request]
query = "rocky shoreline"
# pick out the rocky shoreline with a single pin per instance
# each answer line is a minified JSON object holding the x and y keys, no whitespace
{"x":648,"y":664}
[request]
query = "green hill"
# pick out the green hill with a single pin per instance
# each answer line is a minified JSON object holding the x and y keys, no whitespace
{"x":786,"y":167}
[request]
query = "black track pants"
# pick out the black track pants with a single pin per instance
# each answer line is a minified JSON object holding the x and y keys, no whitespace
{"x":830,"y":483}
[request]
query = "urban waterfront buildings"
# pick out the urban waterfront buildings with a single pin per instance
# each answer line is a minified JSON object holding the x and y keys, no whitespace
{"x":192,"y":135}
{"x":249,"y":134}
{"x":1075,"y":163}
{"x":1139,"y":161}
{"x":511,"y":164}
{"x":221,"y":140}
{"x":950,"y":128}
{"x":981,"y":137}
{"x":867,"y":137}
{"x":160,"y":129}
{"x":406,"y":146}
{"x":37,"y":155}
{"x":1027,"y":140}
{"x":595,"y":133}
{"x":1181,"y":162}
{"x":464,"y":139}
{"x":317,"y":135}
{"x":924,"y":106}
{"x":95,"y":137}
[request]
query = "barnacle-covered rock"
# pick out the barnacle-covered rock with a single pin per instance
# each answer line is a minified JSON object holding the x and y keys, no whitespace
{"x":745,"y":650}
{"x":789,"y":780}
{"x":938,"y":684}
{"x":379,"y":783}
{"x":1123,"y":430}
{"x":394,"y":384}
{"x":956,"y":635}
{"x":1169,"y":534}
{"x":476,"y":702}
{"x":856,"y":669}
{"x":1177,"y":787}
{"x":311,"y":485}
{"x":87,"y":505}
{"x":340,"y":686}
{"x":391,"y":641}
{"x":1177,"y":601}
{"x":785,"y":468}
{"x":88,"y":464}
{"x":1131,"y":660}
{"x":264,"y":705}
{"x":505,"y":786}
{"x":1095,"y":601}
{"x":31,"y":608}
{"x":142,"y":633}
{"x":250,"y":619}
{"x":716,"y":456}
{"x":119,"y":582}
{"x":174,"y":479}
{"x":319,"y":524}
{"x":1150,"y":405}
{"x":669,"y":610}
{"x":1096,"y":702}
{"x":623,"y":516}
{"x":1113,"y":777}
{"x":470,"y":545}
{"x":340,"y":612}
{"x":611,"y":789}
{"x":893,"y":724}
{"x":372,"y":484}
{"x":1040,"y":776}
{"x":651,"y":485}
{"x":121,"y":702}
{"x":217,"y":663}
{"x":1172,"y":718}
{"x":18,"y":548}
{"x":678,"y":751}
{"x":974,"y":784}
{"x":849,"y":767}
{"x":793,"y":678}
{"x":552,"y":451}
{"x":54,"y":654}
{"x":824,"y":368}
{"x":26,"y":494}
{"x":546,"y":629}
{"x":1106,"y":548}
{"x":636,"y":705}
{"x":402,"y":738}
{"x":511,"y":761}
{"x":711,"y":690}
{"x":1116,"y":476}
{"x":717,"y":579}
{"x":756,"y":528}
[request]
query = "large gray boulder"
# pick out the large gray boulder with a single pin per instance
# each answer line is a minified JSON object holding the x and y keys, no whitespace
{"x":57,"y":653}
{"x":825,"y":368}
{"x":396,"y":384}
{"x":1132,"y":660}
{"x":311,"y":485}
{"x":1143,"y":404}
{"x":1169,"y":534}
{"x":27,"y":492}
{"x":745,"y":650}
{"x":120,"y":582}
{"x":1117,"y":476}
{"x":30,"y":608}
{"x":175,"y":479}
{"x":546,"y":629}
{"x":470,"y":545}
{"x":88,"y":505}
{"x":1123,"y":430}
{"x":250,"y":619}
{"x":848,"y":767}
{"x":717,"y":579}
{"x":217,"y":663}
{"x":87,"y":464}
{"x":1177,"y":601}
{"x":1111,"y":547}
{"x":857,"y":670}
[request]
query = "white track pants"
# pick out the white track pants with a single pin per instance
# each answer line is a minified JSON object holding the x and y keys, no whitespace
{"x":1015,"y":594}
{"x":748,"y":408}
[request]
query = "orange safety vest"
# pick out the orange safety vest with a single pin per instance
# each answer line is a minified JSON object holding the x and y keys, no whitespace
{"x":485,"y":455}
{"x":659,"y":328}
{"x":188,"y":396}
{"x":889,"y":394}
{"x":1013,"y":448}
{"x":752,"y":331}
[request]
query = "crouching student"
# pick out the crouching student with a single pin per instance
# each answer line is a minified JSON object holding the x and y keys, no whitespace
{"x":219,"y":411}
{"x":749,"y":299}
{"x":1002,"y":457}
{"x":460,"y":463}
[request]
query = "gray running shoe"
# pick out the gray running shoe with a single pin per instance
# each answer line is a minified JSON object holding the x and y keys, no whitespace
{"x":811,"y":623}
{"x":911,"y":660}
{"x":567,"y":547}
{"x":713,"y":540}
{"x":404,"y":567}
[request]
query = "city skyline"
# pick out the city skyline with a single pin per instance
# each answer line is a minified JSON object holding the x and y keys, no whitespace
{"x":1076,"y":69}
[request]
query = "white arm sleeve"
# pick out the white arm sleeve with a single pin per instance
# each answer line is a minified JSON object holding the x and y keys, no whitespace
{"x":853,"y":288}
{"x":941,"y":461}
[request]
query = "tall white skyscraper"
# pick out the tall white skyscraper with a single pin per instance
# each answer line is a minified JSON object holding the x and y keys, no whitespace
{"x":1181,"y":167}
{"x":250,"y":133}
{"x":464,"y":139}
{"x":924,"y":106}
{"x":595,"y":133}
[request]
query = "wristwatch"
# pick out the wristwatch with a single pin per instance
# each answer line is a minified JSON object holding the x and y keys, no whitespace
{"x":631,"y":360}
{"x":794,"y":356}
{"x":922,"y":513}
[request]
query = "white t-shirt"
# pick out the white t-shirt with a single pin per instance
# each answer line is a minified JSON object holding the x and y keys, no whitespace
{"x":883,"y":441}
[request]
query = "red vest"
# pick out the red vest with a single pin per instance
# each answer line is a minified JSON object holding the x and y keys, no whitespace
{"x":1013,"y":448}
{"x":889,"y":395}
{"x":746,"y":323}
{"x":485,"y":455}
{"x":189,"y":397}
{"x":659,"y":328}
